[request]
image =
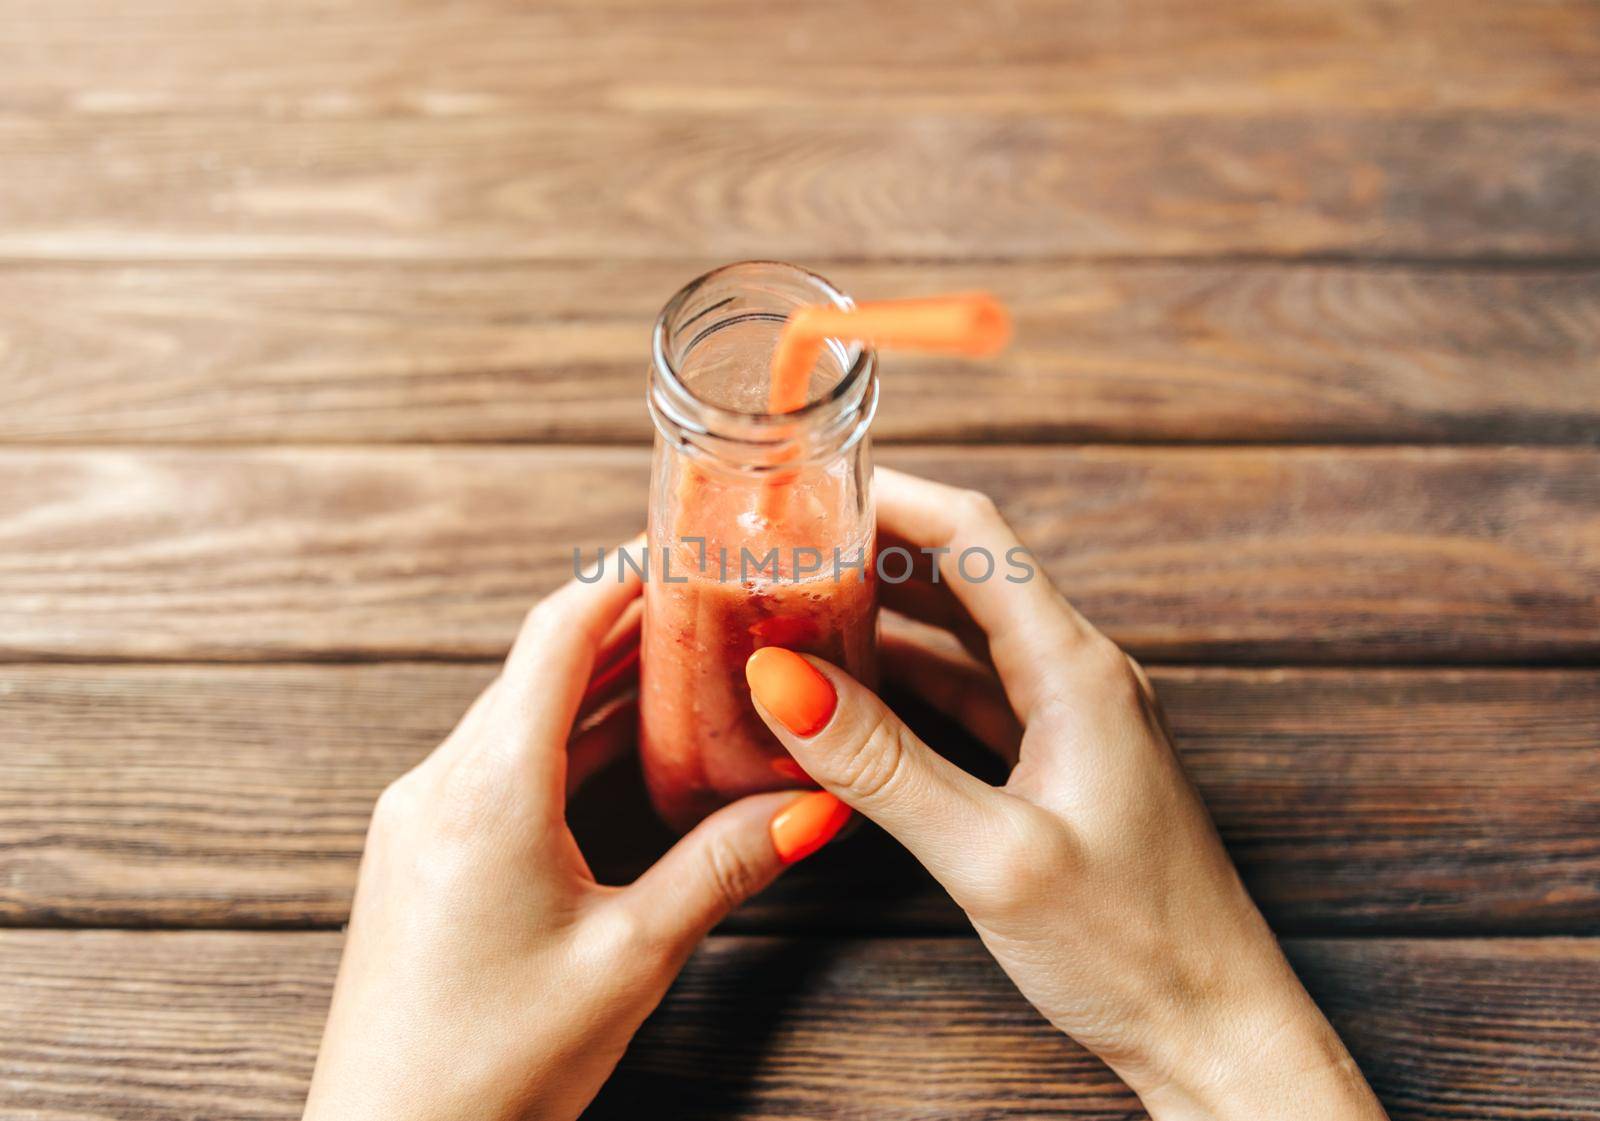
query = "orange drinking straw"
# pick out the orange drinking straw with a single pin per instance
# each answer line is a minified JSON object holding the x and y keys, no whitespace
{"x":971,"y":323}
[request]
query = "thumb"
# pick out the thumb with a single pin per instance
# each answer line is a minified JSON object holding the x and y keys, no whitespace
{"x":855,"y":747}
{"x":729,"y":857}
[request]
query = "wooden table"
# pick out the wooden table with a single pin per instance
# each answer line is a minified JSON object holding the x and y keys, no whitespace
{"x":322,"y":336}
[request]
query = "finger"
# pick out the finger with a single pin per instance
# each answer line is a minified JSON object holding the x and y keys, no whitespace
{"x":572,"y":630}
{"x":1028,"y":622}
{"x":623,"y":637}
{"x":610,"y":683}
{"x":1147,"y":696}
{"x":934,"y":604}
{"x":847,"y":740}
{"x":616,"y":680}
{"x":601,"y":739}
{"x":934,"y":665}
{"x":548,"y":670}
{"x":719,"y":864}
{"x":616,"y":665}
{"x":461,"y":737}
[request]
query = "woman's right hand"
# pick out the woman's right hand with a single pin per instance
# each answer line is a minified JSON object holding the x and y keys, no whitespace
{"x":1094,"y":875}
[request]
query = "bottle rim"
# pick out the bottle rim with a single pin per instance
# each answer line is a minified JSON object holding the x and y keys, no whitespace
{"x":822,"y":427}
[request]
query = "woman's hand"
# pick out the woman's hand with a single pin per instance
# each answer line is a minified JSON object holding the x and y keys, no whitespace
{"x":485,"y":974}
{"x":1094,"y":875}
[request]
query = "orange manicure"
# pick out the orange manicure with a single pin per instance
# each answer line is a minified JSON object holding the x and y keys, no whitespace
{"x":789,"y":688}
{"x":807,"y":823}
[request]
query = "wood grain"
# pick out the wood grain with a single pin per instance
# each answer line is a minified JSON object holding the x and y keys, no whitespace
{"x":765,"y":1029}
{"x":365,"y":222}
{"x":1353,"y":800}
{"x":1262,"y":556}
{"x":1117,"y":351}
{"x":565,"y":185}
{"x":368,"y":58}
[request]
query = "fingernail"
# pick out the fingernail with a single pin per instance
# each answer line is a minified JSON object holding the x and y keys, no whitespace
{"x":806,"y":824}
{"x":789,"y":688}
{"x":786,"y":767}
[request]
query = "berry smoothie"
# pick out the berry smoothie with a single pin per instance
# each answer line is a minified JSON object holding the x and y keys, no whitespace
{"x":715,"y":602}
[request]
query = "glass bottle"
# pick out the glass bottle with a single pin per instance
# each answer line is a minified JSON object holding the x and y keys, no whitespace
{"x":761,"y":531}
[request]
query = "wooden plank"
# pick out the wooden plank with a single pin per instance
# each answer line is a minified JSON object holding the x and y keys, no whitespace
{"x":619,"y":186}
{"x":1391,"y":800}
{"x":204,"y":795}
{"x":307,"y":57}
{"x":542,"y":352}
{"x":1261,"y":556}
{"x":225,"y":1025}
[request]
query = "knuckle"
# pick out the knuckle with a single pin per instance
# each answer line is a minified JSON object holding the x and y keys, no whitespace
{"x":733,"y":876}
{"x":1034,"y":858}
{"x":617,"y":936}
{"x":561,"y":615}
{"x":878,"y":761}
{"x":977,"y":507}
{"x":546,"y":613}
{"x":1141,"y":678}
{"x":396,"y":804}
{"x":1107,"y":672}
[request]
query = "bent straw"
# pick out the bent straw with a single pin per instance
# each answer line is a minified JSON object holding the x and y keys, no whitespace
{"x":971,"y":323}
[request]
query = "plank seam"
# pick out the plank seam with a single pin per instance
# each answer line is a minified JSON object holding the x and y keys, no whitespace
{"x":1485,"y":262}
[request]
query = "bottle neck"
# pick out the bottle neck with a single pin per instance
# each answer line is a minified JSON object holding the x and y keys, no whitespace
{"x":710,"y":382}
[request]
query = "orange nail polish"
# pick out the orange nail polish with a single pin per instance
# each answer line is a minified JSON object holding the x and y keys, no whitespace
{"x":785,"y":767}
{"x":806,"y":824}
{"x":786,"y":685}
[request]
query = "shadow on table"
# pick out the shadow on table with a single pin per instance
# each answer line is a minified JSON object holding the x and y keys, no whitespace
{"x":864,"y":883}
{"x":707,"y":1055}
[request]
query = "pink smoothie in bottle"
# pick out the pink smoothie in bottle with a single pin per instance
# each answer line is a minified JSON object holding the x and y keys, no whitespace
{"x":761,"y":533}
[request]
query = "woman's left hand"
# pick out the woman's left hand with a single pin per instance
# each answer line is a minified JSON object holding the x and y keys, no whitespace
{"x":485,"y":973}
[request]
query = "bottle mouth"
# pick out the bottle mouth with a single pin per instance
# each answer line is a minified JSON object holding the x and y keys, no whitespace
{"x":711,"y":355}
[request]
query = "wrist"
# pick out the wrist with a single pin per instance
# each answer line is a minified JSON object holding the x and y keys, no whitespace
{"x":1274,"y":1057}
